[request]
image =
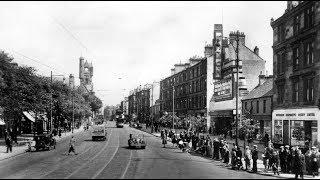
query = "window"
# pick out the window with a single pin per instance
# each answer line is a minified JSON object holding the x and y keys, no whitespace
{"x":275,"y":34}
{"x":246,"y":105}
{"x":296,"y":58}
{"x":309,"y":20}
{"x":296,"y":25}
{"x":295,"y":91}
{"x":308,"y":89}
{"x":257,"y":106}
{"x":264,"y":106}
{"x":282,"y":32}
{"x":281,"y":62}
{"x":280,"y":93}
{"x":309,"y":53}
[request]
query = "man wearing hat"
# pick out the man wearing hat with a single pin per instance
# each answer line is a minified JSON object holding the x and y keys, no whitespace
{"x":314,"y":162}
{"x":287,"y":160}
{"x":254,"y":153}
{"x":282,"y":158}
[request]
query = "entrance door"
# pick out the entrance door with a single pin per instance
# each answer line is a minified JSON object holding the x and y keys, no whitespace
{"x":286,"y":135}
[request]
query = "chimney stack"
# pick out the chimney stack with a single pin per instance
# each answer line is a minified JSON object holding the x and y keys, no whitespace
{"x":256,"y":50}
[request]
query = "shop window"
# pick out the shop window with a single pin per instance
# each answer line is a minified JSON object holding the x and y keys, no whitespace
{"x":297,"y":133}
{"x":278,"y":135}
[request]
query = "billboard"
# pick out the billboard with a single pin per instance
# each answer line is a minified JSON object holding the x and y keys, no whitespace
{"x":223,"y":90}
{"x":217,"y":46}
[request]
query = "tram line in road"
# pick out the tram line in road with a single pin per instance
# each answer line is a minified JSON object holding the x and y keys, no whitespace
{"x":91,"y":159}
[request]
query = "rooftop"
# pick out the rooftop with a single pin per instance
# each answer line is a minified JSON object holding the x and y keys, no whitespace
{"x":264,"y":90}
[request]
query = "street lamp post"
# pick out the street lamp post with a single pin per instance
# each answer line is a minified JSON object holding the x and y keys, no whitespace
{"x":51,"y":99}
{"x":173,"y":107}
{"x":72,"y":108}
{"x":237,"y":88}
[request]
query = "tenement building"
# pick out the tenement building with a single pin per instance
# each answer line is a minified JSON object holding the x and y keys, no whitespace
{"x":222,"y":108}
{"x":139,"y":103}
{"x":186,"y":86}
{"x":296,"y":67}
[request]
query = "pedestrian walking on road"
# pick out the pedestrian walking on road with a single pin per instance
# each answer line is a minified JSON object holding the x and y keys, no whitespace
{"x":9,"y":144}
{"x":72,"y":146}
{"x":254,"y":153}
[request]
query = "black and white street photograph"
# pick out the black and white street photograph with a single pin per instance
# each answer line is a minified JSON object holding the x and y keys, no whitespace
{"x":160,"y":90}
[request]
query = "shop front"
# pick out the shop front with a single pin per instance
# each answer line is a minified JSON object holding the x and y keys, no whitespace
{"x":296,"y":127}
{"x":221,"y":121}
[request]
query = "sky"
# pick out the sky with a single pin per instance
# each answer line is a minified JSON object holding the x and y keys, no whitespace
{"x":128,"y":43}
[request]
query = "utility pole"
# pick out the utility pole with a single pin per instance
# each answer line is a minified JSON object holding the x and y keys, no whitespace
{"x":173,"y":107}
{"x":152,"y":109}
{"x":72,"y":108}
{"x":237,"y":88}
{"x":51,"y":103}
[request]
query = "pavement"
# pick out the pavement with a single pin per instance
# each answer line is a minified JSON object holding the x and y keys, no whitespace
{"x":260,"y":147}
{"x":22,"y":145}
{"x":113,"y":159}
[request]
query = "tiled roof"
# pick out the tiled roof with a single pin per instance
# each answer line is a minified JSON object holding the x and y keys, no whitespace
{"x":265,"y":89}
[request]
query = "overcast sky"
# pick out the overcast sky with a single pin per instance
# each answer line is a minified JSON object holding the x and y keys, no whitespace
{"x":138,"y":42}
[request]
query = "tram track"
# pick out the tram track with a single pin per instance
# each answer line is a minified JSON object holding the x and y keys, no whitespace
{"x":91,"y":159}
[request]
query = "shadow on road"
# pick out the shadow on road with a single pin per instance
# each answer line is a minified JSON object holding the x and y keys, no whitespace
{"x":131,"y":148}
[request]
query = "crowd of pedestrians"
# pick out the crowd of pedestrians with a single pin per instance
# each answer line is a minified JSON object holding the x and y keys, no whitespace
{"x":286,"y":160}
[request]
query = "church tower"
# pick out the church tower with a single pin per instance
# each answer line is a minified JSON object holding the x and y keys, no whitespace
{"x":85,"y":75}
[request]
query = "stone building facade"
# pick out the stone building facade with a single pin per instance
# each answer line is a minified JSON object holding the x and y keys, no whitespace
{"x":296,"y":66}
{"x":222,"y":107}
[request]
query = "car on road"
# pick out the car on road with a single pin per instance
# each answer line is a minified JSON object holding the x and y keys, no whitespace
{"x":99,"y":132}
{"x":44,"y":142}
{"x":137,"y":141}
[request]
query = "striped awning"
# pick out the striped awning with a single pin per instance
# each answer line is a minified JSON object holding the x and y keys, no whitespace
{"x":29,"y":116}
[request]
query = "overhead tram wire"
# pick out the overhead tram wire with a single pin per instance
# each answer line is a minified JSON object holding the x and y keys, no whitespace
{"x":37,"y":61}
{"x":72,"y":35}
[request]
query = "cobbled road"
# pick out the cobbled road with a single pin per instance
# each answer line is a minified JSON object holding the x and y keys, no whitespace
{"x":111,"y":159}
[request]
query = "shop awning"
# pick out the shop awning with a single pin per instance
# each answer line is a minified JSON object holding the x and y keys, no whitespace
{"x":2,"y":122}
{"x":29,"y":116}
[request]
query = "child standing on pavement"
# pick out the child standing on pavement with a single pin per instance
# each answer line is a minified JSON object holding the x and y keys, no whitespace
{"x":72,"y":146}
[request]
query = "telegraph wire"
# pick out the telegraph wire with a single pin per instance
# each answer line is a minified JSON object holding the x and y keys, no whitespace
{"x":37,"y":61}
{"x":73,"y":36}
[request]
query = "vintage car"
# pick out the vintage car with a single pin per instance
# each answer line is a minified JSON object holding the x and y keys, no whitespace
{"x":44,"y":142}
{"x":137,"y":141}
